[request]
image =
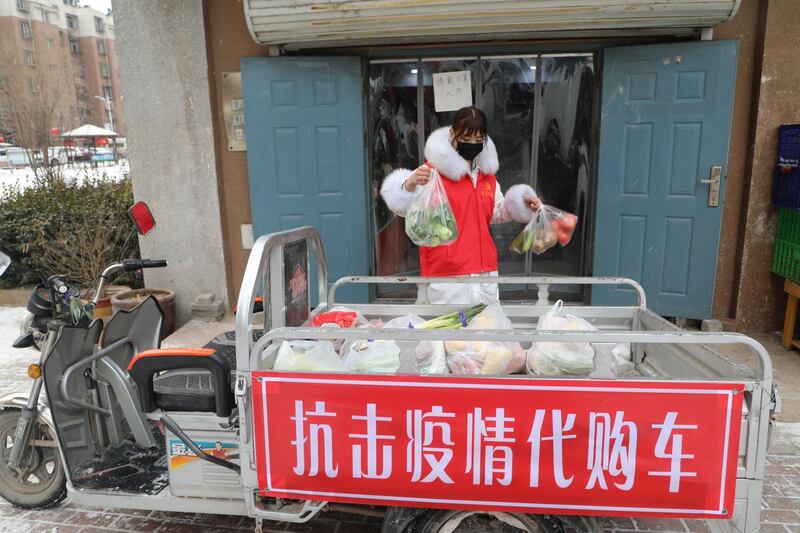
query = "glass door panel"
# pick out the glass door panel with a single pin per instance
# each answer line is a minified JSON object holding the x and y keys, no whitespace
{"x":393,"y":143}
{"x":507,"y":97}
{"x":565,"y":153}
{"x":544,"y":137}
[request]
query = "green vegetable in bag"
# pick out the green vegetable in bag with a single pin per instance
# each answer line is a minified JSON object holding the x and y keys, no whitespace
{"x":430,"y":220}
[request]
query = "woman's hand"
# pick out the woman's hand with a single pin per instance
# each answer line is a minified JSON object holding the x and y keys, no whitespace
{"x":533,"y":202}
{"x":421,"y":176}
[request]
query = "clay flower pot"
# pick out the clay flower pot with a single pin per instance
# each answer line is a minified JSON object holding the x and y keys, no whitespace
{"x":166,"y":299}
{"x":103,"y":307}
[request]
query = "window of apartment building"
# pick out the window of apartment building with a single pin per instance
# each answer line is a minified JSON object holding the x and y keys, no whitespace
{"x":74,"y":47}
{"x":61,"y":38}
{"x":53,"y":68}
{"x":49,"y":43}
{"x":105,"y":70}
{"x":22,"y":5}
{"x":101,"y":47}
{"x":25,"y":27}
{"x":34,"y":86}
{"x":72,"y":22}
{"x":45,"y":16}
{"x":99,"y":25}
{"x":30,"y":58}
{"x":107,"y":92}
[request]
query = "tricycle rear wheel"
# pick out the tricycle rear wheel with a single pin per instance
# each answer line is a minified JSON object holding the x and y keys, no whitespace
{"x":42,"y":483}
{"x":440,"y":521}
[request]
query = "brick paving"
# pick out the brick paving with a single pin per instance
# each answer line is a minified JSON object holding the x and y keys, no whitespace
{"x":780,"y":510}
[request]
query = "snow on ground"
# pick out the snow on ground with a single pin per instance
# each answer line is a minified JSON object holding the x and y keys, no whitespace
{"x":23,"y":176}
{"x":13,"y":363}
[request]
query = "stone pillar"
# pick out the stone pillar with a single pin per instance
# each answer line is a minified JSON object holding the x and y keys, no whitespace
{"x":163,"y":69}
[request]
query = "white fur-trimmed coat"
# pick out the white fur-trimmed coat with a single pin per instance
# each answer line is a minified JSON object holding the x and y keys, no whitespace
{"x":439,"y":153}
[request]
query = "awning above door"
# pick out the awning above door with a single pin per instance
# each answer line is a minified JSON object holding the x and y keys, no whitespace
{"x":296,"y":24}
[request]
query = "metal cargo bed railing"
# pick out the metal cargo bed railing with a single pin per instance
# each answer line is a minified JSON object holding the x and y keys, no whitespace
{"x":602,"y":341}
{"x":542,"y":282}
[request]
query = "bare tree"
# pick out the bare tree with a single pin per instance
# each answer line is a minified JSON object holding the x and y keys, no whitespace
{"x":35,"y":101}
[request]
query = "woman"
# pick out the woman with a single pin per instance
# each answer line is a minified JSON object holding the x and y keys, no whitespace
{"x":466,"y":159}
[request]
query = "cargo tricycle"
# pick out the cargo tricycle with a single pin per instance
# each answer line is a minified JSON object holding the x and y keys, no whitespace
{"x":678,"y":431}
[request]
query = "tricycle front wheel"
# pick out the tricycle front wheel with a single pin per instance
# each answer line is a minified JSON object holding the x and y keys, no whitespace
{"x":41,"y":481}
{"x":441,"y":521}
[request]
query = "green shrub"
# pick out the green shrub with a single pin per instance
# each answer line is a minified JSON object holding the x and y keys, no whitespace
{"x":65,"y":227}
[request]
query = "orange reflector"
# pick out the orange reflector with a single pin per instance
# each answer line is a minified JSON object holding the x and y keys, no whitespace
{"x":34,"y":371}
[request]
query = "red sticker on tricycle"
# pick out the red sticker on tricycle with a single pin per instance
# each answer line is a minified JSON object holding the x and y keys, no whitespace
{"x":624,"y":448}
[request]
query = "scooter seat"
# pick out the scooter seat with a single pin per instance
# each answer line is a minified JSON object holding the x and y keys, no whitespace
{"x":184,"y":390}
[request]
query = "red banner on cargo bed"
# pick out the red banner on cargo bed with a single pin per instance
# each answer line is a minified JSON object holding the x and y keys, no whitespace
{"x":636,"y":448}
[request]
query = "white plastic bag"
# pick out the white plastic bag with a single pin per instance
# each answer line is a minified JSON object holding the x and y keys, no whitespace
{"x":486,"y":357}
{"x":573,"y":358}
{"x":407,"y":348}
{"x":622,"y":357}
{"x":548,"y":226}
{"x":431,"y":358}
{"x":367,"y":357}
{"x":429,"y":219}
{"x":553,"y":358}
{"x":308,"y":356}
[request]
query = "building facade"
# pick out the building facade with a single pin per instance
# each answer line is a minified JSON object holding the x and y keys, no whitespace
{"x":620,"y":116}
{"x":58,"y":54}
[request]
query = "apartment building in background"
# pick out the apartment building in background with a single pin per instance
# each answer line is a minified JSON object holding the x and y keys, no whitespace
{"x":66,"y":49}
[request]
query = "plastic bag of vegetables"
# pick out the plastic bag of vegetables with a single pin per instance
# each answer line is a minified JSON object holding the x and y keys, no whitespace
{"x":548,"y":226}
{"x":367,"y":357}
{"x":308,"y":356}
{"x":556,"y":358}
{"x":430,"y":220}
{"x":407,"y":348}
{"x":383,"y":356}
{"x":572,"y":358}
{"x":486,"y":357}
{"x":431,"y":358}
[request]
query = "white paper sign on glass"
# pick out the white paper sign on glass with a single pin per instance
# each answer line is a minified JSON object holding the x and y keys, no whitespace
{"x":452,"y":90}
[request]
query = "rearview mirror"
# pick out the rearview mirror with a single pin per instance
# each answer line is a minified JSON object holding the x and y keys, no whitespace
{"x":5,"y":262}
{"x":142,"y":217}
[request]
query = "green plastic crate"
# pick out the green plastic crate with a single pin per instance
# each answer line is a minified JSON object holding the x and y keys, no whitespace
{"x":788,"y":226}
{"x":786,"y":260}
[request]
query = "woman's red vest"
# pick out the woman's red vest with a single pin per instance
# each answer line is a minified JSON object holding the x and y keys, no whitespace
{"x":474,"y":251}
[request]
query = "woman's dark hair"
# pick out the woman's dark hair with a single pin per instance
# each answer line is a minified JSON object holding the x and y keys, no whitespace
{"x":468,"y":121}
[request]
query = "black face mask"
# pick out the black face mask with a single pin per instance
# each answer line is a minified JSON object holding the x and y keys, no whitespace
{"x":469,"y":151}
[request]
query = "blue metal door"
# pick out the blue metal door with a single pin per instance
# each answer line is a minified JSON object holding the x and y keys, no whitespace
{"x":305,"y":154}
{"x":665,"y":124}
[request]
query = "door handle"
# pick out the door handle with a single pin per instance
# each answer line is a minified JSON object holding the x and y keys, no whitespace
{"x":713,"y":182}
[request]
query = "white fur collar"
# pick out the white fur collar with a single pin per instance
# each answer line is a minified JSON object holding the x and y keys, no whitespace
{"x":440,"y":153}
